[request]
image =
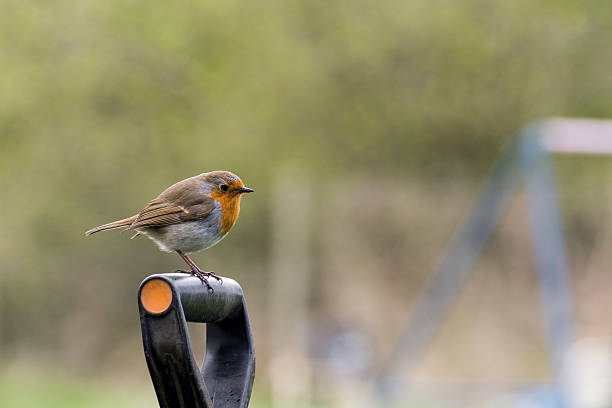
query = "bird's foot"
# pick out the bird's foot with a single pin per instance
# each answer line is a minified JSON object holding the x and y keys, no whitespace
{"x":214,"y":275}
{"x":202,"y":276}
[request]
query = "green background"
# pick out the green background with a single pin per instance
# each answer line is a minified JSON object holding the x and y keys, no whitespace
{"x":103,"y":104}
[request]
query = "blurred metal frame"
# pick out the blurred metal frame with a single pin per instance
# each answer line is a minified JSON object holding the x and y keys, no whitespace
{"x":528,"y":158}
{"x":228,"y":370}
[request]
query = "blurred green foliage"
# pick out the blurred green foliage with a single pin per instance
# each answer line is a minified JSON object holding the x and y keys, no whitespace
{"x":105,"y":103}
{"x":52,"y":392}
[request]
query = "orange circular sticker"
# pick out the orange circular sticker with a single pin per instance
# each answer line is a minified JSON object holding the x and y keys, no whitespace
{"x":156,"y":296}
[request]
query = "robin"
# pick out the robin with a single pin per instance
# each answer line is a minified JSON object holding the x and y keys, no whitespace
{"x":189,"y":216}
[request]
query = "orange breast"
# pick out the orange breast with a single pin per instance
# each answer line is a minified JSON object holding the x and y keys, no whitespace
{"x":230,"y":208}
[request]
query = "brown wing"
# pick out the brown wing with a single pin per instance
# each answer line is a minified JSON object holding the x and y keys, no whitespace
{"x":184,"y":201}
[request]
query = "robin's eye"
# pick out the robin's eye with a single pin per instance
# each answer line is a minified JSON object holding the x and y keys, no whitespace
{"x":224,"y":187}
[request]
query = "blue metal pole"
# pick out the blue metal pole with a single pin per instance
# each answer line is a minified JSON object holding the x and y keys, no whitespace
{"x":549,"y":251}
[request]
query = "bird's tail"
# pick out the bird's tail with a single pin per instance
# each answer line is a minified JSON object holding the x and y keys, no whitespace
{"x":126,"y":222}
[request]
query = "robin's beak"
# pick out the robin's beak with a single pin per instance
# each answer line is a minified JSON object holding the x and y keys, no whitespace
{"x":244,"y":190}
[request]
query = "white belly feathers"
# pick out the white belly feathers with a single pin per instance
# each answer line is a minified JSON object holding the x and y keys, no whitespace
{"x":190,"y":236}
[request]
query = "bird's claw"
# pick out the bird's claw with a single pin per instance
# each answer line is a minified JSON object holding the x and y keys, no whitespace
{"x":202,"y":276}
{"x":214,"y":275}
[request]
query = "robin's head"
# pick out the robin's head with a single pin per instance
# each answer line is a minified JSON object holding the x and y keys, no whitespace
{"x":225,"y":184}
{"x":226,"y":188}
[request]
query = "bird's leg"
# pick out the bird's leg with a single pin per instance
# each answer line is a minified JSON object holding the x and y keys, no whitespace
{"x":195,"y":267}
{"x":196,"y":271}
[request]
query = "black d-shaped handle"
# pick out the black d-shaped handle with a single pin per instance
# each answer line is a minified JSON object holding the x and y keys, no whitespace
{"x":166,"y":302}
